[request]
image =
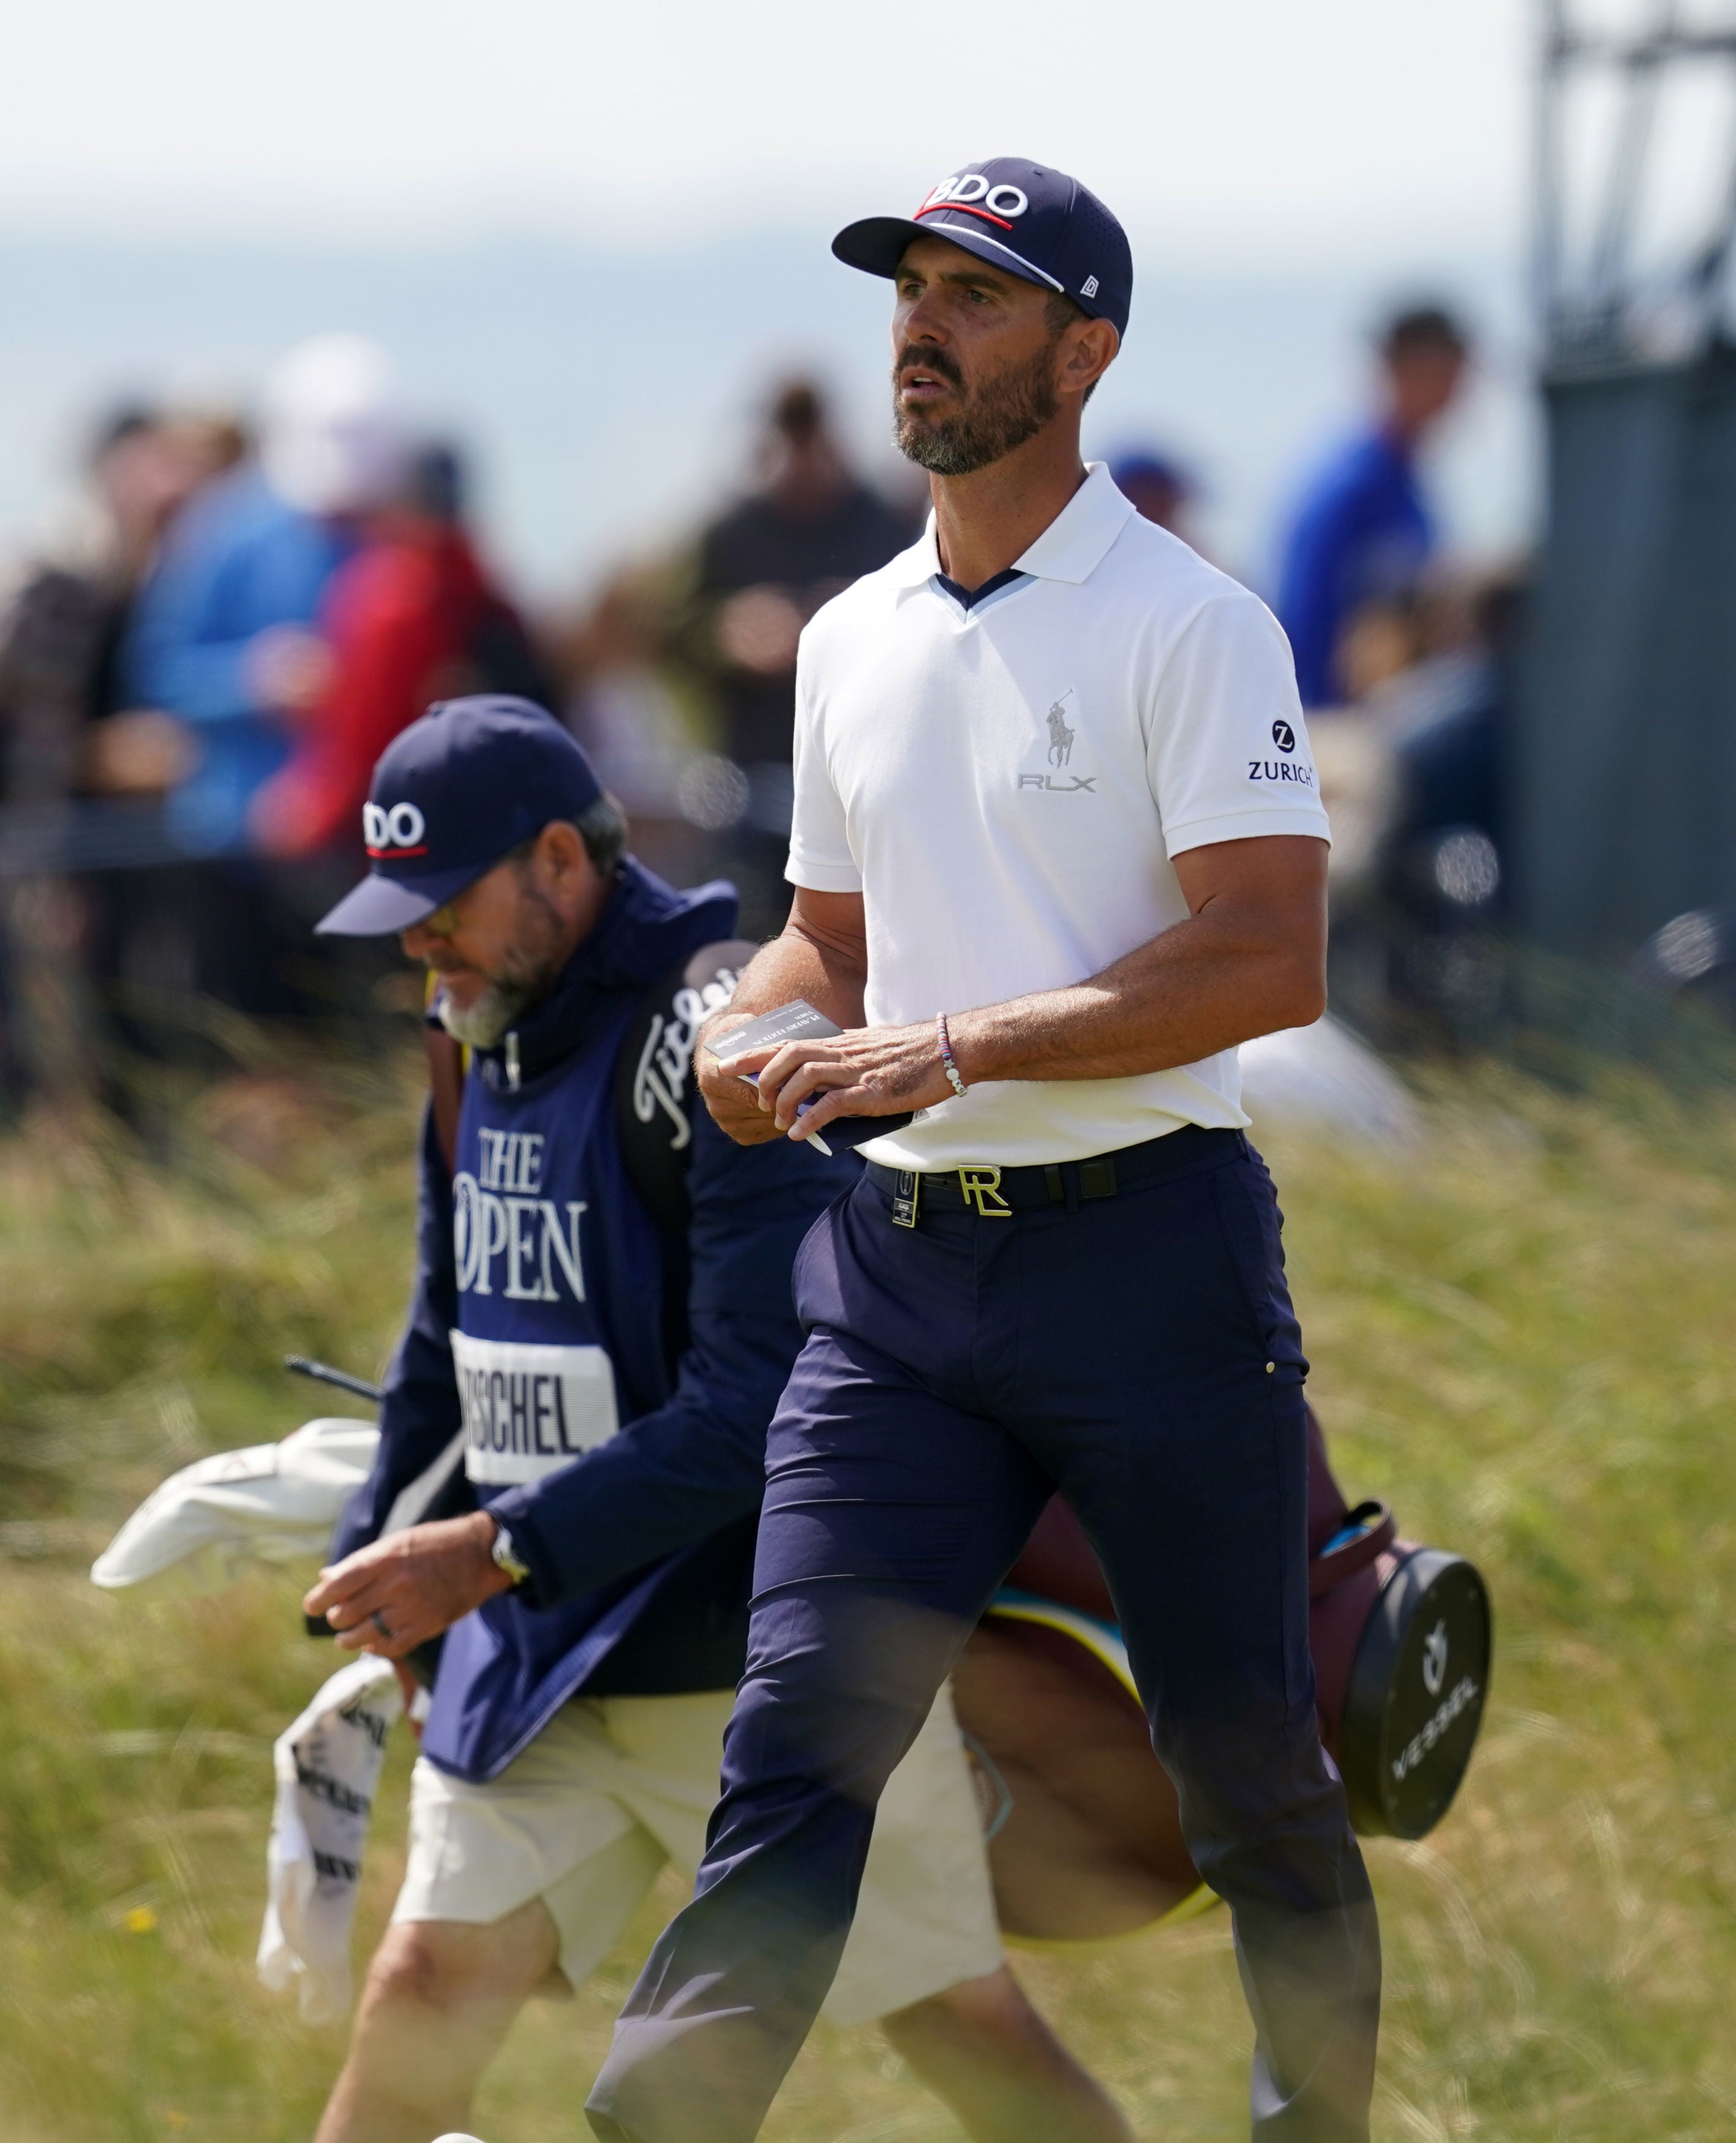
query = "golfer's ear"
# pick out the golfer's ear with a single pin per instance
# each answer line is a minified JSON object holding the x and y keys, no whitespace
{"x":1091,"y":350}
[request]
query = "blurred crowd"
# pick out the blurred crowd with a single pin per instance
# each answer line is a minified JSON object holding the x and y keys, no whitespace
{"x":196,"y":678}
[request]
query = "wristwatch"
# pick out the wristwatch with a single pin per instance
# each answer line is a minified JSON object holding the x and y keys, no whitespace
{"x":514,"y":1564}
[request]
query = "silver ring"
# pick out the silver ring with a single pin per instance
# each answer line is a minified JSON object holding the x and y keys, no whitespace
{"x":380,"y":1623}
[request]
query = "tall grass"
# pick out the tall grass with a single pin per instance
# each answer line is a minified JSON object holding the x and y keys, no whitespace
{"x":1522,"y":1336}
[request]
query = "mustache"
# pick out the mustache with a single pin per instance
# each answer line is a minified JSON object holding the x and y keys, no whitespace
{"x":940,"y":362}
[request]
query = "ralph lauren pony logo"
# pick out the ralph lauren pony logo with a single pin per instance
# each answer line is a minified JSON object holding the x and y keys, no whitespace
{"x":1062,"y":734}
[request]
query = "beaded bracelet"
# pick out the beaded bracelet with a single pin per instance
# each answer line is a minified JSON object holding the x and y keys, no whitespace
{"x":946,"y":1056}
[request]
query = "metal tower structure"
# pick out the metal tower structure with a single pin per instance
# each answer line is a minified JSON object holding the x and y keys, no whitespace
{"x":1622,"y":774}
{"x":1599,"y":298}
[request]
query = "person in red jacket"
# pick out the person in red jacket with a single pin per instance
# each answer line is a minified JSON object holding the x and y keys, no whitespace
{"x":412,"y":618}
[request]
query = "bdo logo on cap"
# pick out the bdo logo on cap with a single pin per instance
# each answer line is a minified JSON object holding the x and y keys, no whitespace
{"x":398,"y":831}
{"x":965,"y":189}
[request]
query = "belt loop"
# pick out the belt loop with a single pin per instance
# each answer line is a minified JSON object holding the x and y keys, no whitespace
{"x":1097,"y":1177}
{"x":1055,"y":1184}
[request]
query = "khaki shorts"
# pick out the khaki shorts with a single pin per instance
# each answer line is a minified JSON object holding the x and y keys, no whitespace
{"x":615,"y":1786}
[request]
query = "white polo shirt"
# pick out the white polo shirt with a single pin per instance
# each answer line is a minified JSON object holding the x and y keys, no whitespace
{"x":1007,"y":785}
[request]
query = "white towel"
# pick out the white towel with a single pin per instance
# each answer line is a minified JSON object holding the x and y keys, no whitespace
{"x":328,"y":1764}
{"x":278,"y":1503}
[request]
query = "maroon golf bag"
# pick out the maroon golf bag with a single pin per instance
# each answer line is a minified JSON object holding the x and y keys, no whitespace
{"x":1085,"y":1837}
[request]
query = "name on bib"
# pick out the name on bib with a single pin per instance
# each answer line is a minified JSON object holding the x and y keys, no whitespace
{"x":529,"y":1408}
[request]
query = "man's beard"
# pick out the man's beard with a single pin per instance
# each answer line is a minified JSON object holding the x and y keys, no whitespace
{"x":527,"y":973}
{"x":999,"y":414}
{"x":494,"y":1012}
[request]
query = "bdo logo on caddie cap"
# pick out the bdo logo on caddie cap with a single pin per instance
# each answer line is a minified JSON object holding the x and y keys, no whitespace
{"x":397,"y":831}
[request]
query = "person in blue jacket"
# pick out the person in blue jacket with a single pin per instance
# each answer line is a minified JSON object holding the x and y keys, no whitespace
{"x":225,"y":638}
{"x":1362,"y":531}
{"x":571,"y":1463}
{"x":224,"y":632}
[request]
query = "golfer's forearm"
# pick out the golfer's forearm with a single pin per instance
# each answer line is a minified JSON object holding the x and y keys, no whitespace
{"x":802,"y":962}
{"x":1202,"y":987}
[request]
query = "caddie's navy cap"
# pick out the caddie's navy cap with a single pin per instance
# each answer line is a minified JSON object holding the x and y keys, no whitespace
{"x":452,"y":794}
{"x":1032,"y":220}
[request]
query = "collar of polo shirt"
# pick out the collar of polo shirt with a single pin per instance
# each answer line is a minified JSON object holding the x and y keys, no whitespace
{"x":1071,"y":548}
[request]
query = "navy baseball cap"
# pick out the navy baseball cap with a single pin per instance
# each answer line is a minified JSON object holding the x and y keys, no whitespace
{"x":452,"y":794}
{"x":1035,"y":222}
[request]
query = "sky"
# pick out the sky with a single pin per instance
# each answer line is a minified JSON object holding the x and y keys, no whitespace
{"x":186,"y":186}
{"x":1254,"y":124}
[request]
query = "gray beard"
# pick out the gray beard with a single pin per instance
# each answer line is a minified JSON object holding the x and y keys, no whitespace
{"x":1011,"y":408}
{"x":528,"y":971}
{"x":483,"y":1024}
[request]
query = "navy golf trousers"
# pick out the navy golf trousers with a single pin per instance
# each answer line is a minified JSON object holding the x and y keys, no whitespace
{"x":1139,"y":1352}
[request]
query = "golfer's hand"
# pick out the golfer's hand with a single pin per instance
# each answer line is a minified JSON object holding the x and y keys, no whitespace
{"x":735,"y":1107}
{"x":398,"y":1592}
{"x":864,"y":1071}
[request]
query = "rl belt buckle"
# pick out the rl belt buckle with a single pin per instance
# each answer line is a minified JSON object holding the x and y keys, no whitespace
{"x":978,"y":1185}
{"x":907,"y":1195}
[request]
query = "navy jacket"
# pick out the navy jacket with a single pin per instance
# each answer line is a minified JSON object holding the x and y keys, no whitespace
{"x":538,"y":1335}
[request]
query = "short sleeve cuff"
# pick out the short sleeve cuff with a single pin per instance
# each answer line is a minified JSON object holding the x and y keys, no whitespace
{"x":1310,"y":821}
{"x":819,"y":876}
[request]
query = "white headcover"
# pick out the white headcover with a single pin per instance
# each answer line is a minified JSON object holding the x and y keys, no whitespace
{"x":333,"y":437}
{"x":273,"y":1503}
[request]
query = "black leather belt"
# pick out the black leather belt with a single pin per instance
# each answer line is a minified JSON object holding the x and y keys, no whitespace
{"x":997,"y":1194}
